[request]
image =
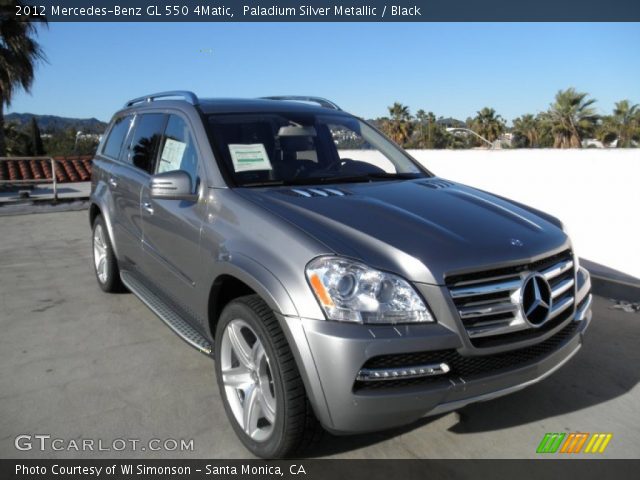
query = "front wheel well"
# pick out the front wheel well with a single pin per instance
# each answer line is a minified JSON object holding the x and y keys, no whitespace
{"x":94,"y":211}
{"x":225,"y":289}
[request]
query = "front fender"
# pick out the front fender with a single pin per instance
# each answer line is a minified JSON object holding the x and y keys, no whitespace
{"x":261,"y":281}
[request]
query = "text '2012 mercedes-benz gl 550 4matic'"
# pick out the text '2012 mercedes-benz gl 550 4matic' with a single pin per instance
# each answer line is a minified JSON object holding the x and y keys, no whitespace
{"x":337,"y":283}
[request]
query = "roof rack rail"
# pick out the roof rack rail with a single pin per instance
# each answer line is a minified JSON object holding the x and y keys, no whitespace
{"x":190,"y":97}
{"x":323,"y":102}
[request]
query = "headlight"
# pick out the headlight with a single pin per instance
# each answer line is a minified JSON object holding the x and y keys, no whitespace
{"x":349,"y":291}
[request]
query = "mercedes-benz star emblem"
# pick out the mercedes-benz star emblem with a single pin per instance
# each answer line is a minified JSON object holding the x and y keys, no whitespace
{"x":536,"y":299}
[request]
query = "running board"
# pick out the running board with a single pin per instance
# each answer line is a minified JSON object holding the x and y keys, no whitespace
{"x":167,"y":315}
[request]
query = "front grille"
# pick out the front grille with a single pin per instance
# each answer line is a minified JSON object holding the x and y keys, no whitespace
{"x":466,"y":368}
{"x":488,"y":302}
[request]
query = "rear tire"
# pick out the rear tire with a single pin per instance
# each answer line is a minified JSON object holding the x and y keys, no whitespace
{"x":284,"y":423}
{"x":105,"y":264}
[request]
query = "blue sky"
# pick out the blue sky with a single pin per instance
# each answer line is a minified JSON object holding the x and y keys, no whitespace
{"x":448,"y":68}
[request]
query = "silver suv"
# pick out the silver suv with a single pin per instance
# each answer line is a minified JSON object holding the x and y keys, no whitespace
{"x":337,"y":283}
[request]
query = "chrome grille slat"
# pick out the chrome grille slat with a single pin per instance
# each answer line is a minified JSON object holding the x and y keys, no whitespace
{"x":560,"y":307}
{"x":482,"y":311}
{"x":503,"y":286}
{"x":489,"y":303}
{"x":562,"y":287}
{"x":556,"y":270}
{"x":489,"y":330}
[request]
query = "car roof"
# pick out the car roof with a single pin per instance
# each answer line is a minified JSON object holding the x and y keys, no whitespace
{"x":260,"y":105}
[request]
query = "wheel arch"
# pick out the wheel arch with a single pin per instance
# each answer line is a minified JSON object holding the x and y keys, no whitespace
{"x":244,"y":276}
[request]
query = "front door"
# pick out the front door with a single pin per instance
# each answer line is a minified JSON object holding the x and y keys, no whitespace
{"x":171,"y":228}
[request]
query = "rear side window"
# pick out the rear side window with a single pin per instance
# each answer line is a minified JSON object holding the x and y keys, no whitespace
{"x":179,"y":150}
{"x":116,"y":137}
{"x":146,"y":138}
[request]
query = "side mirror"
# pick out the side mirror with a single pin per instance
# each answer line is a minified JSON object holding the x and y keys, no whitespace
{"x":174,"y":185}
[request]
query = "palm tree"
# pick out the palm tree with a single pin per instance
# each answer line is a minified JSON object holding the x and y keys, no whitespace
{"x":623,"y":125}
{"x":399,"y":126}
{"x":572,"y":118}
{"x":19,"y":53}
{"x":527,"y":127}
{"x":422,"y":118}
{"x":487,"y":124}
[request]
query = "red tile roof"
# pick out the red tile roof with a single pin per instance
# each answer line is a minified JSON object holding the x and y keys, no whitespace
{"x":68,"y":169}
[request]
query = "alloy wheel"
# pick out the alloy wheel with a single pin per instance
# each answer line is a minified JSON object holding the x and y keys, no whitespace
{"x":248,"y":380}
{"x":100,"y":254}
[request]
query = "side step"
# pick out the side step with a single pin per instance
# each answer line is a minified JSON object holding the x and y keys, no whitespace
{"x":167,"y":315}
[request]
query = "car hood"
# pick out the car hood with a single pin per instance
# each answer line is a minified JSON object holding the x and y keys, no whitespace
{"x":423,"y":229}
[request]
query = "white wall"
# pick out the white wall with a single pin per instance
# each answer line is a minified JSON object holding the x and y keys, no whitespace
{"x":595,"y":192}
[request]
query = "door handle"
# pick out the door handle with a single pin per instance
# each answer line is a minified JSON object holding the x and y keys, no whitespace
{"x":147,"y":206}
{"x":113,"y":182}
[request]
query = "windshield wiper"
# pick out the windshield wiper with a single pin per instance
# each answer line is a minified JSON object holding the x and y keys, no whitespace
{"x":369,"y":177}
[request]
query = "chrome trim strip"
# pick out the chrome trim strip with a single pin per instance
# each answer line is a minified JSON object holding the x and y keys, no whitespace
{"x":334,"y":191}
{"x":457,"y":404}
{"x":401,"y":373}
{"x":557,"y":269}
{"x":562,"y":287}
{"x":582,"y":313}
{"x":561,"y":307}
{"x":490,"y":309}
{"x":484,"y":289}
{"x":319,"y":192}
{"x":301,"y":192}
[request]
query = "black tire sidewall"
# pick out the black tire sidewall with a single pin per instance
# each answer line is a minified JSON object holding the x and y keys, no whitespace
{"x":270,"y":447}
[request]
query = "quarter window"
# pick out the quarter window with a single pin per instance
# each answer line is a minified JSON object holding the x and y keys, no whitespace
{"x":116,"y":137}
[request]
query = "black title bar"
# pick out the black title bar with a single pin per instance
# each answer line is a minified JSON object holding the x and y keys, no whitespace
{"x":330,"y":11}
{"x":318,"y":469}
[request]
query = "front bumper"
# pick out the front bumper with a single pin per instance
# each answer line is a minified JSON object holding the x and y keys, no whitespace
{"x":331,"y":356}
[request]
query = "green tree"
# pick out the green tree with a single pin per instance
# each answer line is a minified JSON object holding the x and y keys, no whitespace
{"x":36,"y":139}
{"x":431,"y":135}
{"x":399,"y":126}
{"x":18,"y":143}
{"x":572,"y":118}
{"x":623,"y":125}
{"x":526,"y":131}
{"x":488,"y":124}
{"x":19,"y":53}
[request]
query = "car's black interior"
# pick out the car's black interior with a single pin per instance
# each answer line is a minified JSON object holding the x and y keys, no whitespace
{"x":310,"y":154}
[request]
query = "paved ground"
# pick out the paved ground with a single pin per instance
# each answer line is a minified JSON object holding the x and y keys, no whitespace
{"x":76,"y":363}
{"x":44,"y":191}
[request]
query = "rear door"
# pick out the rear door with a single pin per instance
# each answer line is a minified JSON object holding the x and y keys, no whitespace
{"x":127,"y":178}
{"x":171,"y":228}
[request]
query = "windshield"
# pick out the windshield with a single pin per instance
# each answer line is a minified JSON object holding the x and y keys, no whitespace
{"x":298,"y":149}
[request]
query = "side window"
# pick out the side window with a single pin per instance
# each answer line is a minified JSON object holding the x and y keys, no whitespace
{"x":352,"y":146}
{"x":178,"y":150}
{"x":116,"y":138}
{"x":146,"y":138}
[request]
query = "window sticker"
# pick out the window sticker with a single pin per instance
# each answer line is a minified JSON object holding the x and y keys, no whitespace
{"x":249,"y":157}
{"x":172,"y":154}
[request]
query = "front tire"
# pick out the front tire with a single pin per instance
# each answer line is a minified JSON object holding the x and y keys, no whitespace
{"x":259,"y":382}
{"x":105,"y":264}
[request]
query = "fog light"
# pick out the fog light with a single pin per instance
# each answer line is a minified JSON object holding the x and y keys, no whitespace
{"x":418,"y":371}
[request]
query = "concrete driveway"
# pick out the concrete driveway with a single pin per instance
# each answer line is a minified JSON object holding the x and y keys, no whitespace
{"x":76,"y":363}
